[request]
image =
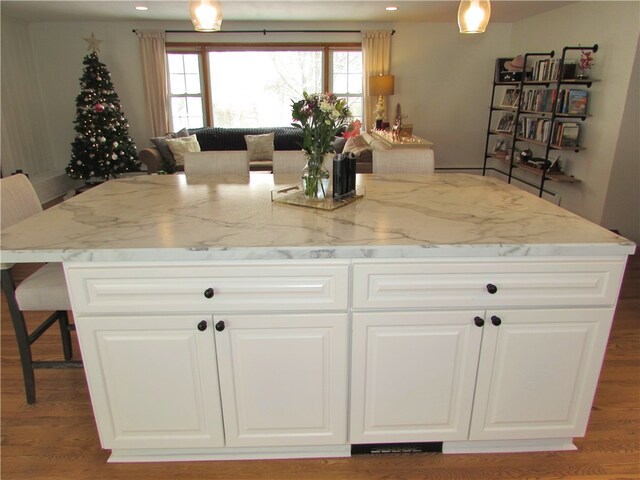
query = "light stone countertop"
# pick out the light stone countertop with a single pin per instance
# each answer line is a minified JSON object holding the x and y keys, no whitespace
{"x":171,"y":217}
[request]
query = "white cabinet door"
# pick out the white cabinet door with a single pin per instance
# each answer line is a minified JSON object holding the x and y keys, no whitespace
{"x":283,"y":379}
{"x":538,"y":373}
{"x":413,"y":376}
{"x":153,"y":380}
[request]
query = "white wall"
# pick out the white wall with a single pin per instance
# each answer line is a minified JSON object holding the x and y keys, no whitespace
{"x":622,"y":205}
{"x":615,"y":27}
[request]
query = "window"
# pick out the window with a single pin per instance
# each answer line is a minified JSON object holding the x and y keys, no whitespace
{"x":346,"y":76}
{"x":254,"y":89}
{"x":185,"y":90}
{"x":253,"y":86}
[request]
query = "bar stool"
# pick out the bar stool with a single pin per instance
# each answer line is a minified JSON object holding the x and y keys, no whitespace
{"x":44,"y":290}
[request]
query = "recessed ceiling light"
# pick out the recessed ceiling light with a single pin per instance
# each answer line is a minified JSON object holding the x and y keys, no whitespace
{"x":142,"y":8}
{"x":391,"y":9}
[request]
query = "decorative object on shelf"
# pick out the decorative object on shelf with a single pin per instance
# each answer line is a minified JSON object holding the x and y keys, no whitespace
{"x":586,"y":62}
{"x":380,"y":85}
{"x":473,"y":15}
{"x":398,"y":125}
{"x":294,"y":195}
{"x":206,"y":15}
{"x":321,"y":117}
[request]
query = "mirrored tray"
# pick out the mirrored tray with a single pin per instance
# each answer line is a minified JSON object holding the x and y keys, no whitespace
{"x":293,"y":195}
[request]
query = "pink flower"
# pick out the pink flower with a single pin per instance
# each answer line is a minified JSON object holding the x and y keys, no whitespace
{"x":352,"y":130}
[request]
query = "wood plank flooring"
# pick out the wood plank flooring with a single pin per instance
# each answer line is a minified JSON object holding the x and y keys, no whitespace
{"x":56,"y":439}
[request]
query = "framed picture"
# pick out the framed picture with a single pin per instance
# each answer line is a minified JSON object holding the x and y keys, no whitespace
{"x":505,"y":124}
{"x":511,"y":97}
{"x":501,"y":148}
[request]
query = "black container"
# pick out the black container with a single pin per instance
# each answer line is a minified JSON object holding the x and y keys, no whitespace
{"x":340,"y":175}
{"x":351,"y":183}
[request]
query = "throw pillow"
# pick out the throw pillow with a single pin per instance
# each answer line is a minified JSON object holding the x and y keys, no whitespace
{"x":165,"y":152}
{"x":356,"y":145}
{"x":260,"y":147}
{"x":180,"y":146}
{"x":338,"y":144}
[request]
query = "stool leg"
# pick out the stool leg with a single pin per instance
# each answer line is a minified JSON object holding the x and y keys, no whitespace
{"x":20,"y":327}
{"x":67,"y":348}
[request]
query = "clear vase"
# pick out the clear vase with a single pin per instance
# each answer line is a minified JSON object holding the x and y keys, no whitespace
{"x":315,"y":178}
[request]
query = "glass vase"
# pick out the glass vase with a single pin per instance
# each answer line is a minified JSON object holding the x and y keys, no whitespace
{"x":315,"y":178}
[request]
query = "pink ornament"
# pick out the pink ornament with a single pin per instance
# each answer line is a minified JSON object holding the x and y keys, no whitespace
{"x":98,"y":107}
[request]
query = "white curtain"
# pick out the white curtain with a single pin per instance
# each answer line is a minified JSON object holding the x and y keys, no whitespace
{"x":376,"y":54}
{"x":154,"y":66}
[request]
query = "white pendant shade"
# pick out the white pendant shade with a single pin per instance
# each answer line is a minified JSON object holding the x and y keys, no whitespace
{"x":206,"y":15}
{"x":473,"y":15}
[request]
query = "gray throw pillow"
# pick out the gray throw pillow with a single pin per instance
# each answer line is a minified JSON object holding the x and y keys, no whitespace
{"x":165,"y":152}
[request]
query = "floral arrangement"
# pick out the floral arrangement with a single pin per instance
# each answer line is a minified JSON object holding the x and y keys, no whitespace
{"x":321,"y":117}
{"x":586,"y":60}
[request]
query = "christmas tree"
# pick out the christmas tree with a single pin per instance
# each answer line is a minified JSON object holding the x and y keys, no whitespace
{"x":102,"y":147}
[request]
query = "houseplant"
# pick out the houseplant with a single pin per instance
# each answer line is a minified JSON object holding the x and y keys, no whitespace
{"x":321,"y":117}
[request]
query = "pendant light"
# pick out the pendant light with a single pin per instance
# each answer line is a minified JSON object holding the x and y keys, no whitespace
{"x":473,"y":15}
{"x":206,"y":15}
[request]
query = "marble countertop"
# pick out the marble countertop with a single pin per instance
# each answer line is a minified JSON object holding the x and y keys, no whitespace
{"x":173,"y":217}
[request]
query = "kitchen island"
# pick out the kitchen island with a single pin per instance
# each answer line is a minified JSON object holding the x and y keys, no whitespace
{"x":215,"y":324}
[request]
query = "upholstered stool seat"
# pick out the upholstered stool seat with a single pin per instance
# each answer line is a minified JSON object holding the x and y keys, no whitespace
{"x":45,"y":289}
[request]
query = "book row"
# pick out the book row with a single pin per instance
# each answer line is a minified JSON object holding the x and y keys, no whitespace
{"x":570,"y":102}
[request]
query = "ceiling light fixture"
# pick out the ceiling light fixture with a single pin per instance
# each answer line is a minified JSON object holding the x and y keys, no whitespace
{"x":206,"y":15}
{"x":473,"y":15}
{"x":142,"y":8}
{"x":391,"y":9}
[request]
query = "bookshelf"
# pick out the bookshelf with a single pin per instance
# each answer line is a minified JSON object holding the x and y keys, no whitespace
{"x":539,"y":111}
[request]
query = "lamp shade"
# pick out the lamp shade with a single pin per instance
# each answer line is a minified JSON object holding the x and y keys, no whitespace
{"x":206,"y":15}
{"x":473,"y":15}
{"x":381,"y":85}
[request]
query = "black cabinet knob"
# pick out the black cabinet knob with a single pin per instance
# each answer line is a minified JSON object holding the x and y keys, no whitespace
{"x":479,"y":321}
{"x":491,"y":288}
{"x":202,"y":326}
{"x":220,"y":326}
{"x":496,"y":320}
{"x":209,"y":293}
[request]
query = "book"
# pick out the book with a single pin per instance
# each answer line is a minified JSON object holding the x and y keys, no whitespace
{"x":577,"y":102}
{"x":569,"y":134}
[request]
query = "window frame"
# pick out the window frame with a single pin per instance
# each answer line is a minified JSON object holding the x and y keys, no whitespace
{"x":204,"y":48}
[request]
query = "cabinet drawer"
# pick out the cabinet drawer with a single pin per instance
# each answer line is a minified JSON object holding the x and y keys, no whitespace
{"x":183,"y":288}
{"x":461,"y":284}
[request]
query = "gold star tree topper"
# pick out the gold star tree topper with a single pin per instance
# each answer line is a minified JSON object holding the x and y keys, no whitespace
{"x":94,"y":43}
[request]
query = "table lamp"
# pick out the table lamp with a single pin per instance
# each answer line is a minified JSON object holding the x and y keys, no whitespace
{"x":380,"y":85}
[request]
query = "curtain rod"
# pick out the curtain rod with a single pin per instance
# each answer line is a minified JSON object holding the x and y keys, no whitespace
{"x":264,"y":32}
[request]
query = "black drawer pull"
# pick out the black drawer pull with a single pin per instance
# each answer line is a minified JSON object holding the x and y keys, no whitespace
{"x":209,"y":293}
{"x":202,"y":326}
{"x":496,"y":320}
{"x":479,"y":321}
{"x":491,"y":288}
{"x":220,"y":326}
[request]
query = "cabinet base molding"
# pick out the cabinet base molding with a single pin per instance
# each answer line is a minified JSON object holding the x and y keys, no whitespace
{"x":510,"y":446}
{"x":210,"y":454}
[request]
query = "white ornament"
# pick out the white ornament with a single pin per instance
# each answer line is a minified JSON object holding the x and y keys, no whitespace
{"x":114,"y":156}
{"x":115,"y":144}
{"x":102,"y":139}
{"x":79,"y":162}
{"x":92,"y":139}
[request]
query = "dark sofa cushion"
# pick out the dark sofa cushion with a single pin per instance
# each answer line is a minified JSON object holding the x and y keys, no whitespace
{"x":218,"y":138}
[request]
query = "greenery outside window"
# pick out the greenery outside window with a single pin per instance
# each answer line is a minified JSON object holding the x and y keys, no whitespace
{"x":253,"y":85}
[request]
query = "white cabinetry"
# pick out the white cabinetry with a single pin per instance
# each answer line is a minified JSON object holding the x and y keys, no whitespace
{"x":222,"y":375}
{"x":425,"y":373}
{"x":153,"y":381}
{"x":538,"y":372}
{"x":283,"y":379}
{"x":413,"y":376}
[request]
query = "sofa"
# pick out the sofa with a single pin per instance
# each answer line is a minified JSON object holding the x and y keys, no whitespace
{"x":233,"y":139}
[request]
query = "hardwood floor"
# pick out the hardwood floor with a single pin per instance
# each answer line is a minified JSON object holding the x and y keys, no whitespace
{"x":57,"y":439}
